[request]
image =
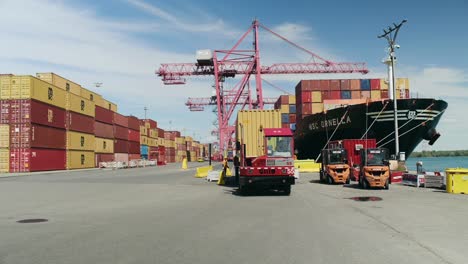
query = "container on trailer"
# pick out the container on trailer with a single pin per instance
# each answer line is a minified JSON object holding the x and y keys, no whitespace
{"x":104,"y":130}
{"x":120,"y":120}
{"x":104,"y":115}
{"x":36,"y":136}
{"x":60,"y":82}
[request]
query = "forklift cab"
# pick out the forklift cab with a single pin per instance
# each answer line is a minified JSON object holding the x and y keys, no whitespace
{"x":335,"y":168}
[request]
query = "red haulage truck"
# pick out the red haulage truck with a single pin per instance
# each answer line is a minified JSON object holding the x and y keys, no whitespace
{"x":266,"y":151}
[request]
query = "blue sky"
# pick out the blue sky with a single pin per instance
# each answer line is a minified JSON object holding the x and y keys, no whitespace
{"x":121,"y":43}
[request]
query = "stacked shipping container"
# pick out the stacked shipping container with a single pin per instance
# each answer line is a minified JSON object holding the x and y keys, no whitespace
{"x":315,"y":96}
{"x":287,"y":106}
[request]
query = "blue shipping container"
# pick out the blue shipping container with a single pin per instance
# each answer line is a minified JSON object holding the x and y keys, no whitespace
{"x":143,"y":156}
{"x":345,"y":94}
{"x":292,"y":109}
{"x":292,"y":126}
{"x":365,"y":84}
{"x":284,"y":118}
{"x":144,"y":150}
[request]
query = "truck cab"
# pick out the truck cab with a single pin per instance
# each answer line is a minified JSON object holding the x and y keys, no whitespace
{"x":334,"y":168}
{"x":275,"y":168}
{"x":374,"y":168}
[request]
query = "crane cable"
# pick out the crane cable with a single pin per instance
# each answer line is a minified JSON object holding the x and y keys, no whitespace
{"x":406,"y":132}
{"x":405,"y":124}
{"x":381,"y":111}
{"x":336,"y":128}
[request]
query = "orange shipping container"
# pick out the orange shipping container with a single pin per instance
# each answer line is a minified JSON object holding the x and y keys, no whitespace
{"x":355,"y":84}
{"x":365,"y":94}
{"x":355,"y":94}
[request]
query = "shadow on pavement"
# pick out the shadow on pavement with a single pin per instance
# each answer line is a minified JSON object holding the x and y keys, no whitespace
{"x":257,"y":192}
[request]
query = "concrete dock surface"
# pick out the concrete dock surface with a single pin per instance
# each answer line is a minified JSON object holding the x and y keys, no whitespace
{"x":165,"y":215}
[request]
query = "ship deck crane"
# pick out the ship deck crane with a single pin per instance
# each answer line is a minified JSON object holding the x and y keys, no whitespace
{"x":224,"y":64}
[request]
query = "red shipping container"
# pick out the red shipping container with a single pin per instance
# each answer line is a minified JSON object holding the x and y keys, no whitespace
{"x":120,"y":120}
{"x":292,"y":118}
{"x":31,"y":159}
{"x":134,"y":156}
{"x":384,"y":94}
{"x":334,"y":85}
{"x":104,"y":130}
{"x":133,"y":135}
{"x":325,"y":95}
{"x":104,"y":115}
{"x":80,"y":123}
{"x":285,"y":125}
{"x":375,"y":84}
{"x":355,"y":94}
{"x":30,"y":111}
{"x":306,"y":109}
{"x":350,"y":145}
{"x":153,"y":124}
{"x":334,"y":95}
{"x":35,"y":136}
{"x":5,"y":111}
{"x":103,"y":158}
{"x":120,"y":132}
{"x":134,"y":147}
{"x":134,"y":123}
{"x":176,"y":134}
{"x":120,"y":146}
{"x":306,"y":97}
{"x":324,"y":85}
{"x":160,"y":133}
{"x":407,"y":94}
{"x":355,"y":84}
{"x":314,"y":85}
{"x":345,"y":85}
{"x":284,"y":99}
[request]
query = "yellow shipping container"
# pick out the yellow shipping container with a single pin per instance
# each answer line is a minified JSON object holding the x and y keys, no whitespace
{"x":187,"y":138}
{"x":284,"y":109}
{"x":317,"y":108}
{"x":80,"y":159}
{"x":5,"y":87}
{"x":106,"y":104}
{"x":80,"y":105}
{"x":5,"y":136}
{"x":161,"y":142}
{"x":80,"y":141}
{"x":181,"y":153}
{"x":143,"y":140}
{"x":180,"y":140}
{"x":90,"y":95}
{"x":383,"y":84}
{"x":60,"y":82}
{"x":402,"y":83}
{"x":316,"y":97}
{"x":292,"y":99}
{"x":153,"y":133}
{"x":4,"y":160}
{"x":104,"y":145}
{"x":376,"y":94}
{"x":248,"y":128}
{"x":143,"y":131}
{"x":28,"y":87}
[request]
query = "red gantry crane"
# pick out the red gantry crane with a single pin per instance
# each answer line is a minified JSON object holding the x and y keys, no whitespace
{"x":223,"y":64}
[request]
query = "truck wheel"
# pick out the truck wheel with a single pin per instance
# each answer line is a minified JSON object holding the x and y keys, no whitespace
{"x":330,"y":180}
{"x":287,"y":190}
{"x":365,"y":184}
{"x":387,"y":185}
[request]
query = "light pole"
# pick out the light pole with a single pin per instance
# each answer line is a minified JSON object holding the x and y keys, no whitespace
{"x":390,"y":35}
{"x":146,"y":109}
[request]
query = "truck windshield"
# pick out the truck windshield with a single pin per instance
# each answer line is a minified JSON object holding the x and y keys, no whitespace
{"x":337,"y":156}
{"x":376,"y":157}
{"x":279,"y":147}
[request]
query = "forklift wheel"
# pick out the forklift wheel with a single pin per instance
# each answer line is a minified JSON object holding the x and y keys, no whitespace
{"x":387,"y":185}
{"x":330,"y":180}
{"x":365,"y":184}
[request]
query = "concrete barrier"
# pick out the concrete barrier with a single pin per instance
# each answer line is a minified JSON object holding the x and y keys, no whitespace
{"x":307,"y":165}
{"x":202,"y":172}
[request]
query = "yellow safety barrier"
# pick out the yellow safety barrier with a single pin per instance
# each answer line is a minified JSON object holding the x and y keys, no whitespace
{"x":307,"y":165}
{"x":202,"y":172}
{"x":184,"y":164}
{"x":221,"y":176}
{"x":457,"y":180}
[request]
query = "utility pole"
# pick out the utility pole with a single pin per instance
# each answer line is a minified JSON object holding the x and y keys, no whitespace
{"x":390,"y":35}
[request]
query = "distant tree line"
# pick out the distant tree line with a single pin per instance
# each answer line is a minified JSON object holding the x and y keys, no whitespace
{"x":440,"y":153}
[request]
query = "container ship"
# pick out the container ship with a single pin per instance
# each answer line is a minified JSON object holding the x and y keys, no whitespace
{"x":349,"y":109}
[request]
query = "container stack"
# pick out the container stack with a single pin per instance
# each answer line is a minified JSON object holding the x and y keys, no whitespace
{"x":287,"y":106}
{"x":104,"y":131}
{"x":161,"y":147}
{"x":33,"y":111}
{"x":133,"y":138}
{"x":189,"y":148}
{"x":181,"y":149}
{"x":120,"y":127}
{"x":316,"y":96}
{"x":169,"y":137}
{"x":150,"y":150}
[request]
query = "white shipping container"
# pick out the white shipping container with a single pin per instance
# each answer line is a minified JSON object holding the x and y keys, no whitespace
{"x":204,"y":56}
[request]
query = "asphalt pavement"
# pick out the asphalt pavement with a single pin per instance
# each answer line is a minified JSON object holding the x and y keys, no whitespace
{"x":165,"y":215}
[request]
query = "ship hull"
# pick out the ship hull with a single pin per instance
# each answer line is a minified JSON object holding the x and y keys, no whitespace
{"x":417,"y":121}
